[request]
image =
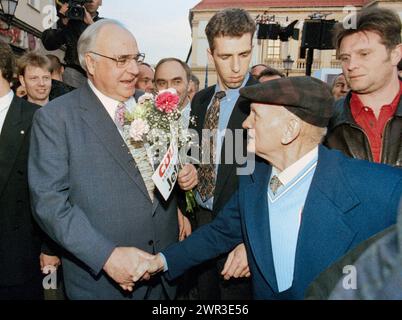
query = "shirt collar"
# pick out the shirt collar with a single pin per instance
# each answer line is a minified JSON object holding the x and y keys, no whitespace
{"x":357,"y":105}
{"x":292,"y":171}
{"x":187,"y":108}
{"x":110,"y":104}
{"x":6,"y":100}
{"x":233,"y":92}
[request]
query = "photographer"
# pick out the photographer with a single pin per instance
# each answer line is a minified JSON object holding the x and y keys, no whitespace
{"x":75,"y":17}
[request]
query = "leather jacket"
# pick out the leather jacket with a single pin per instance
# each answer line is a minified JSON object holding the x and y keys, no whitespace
{"x":347,"y":136}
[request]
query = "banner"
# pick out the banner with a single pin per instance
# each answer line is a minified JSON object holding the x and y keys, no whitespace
{"x":165,"y":176}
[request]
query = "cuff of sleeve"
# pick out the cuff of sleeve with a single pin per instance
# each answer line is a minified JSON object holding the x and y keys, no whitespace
{"x":165,"y":265}
{"x":99,"y":260}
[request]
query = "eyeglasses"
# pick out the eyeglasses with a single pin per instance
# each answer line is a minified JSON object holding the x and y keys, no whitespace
{"x":124,"y":60}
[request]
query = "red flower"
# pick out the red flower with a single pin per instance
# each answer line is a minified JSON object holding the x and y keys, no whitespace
{"x":167,"y":101}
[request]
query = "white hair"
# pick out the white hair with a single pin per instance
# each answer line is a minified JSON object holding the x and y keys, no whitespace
{"x":88,"y":39}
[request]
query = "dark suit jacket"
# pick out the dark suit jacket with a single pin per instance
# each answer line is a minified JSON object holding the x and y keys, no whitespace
{"x":349,"y":200}
{"x":227,"y":179}
{"x":89,"y":195}
{"x":20,"y":242}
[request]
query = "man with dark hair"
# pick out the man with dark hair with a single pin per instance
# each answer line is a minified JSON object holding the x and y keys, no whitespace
{"x":35,"y":75}
{"x":368,"y":121}
{"x":176,"y":74}
{"x":20,"y":237}
{"x":216,"y":109}
{"x":270,"y":74}
{"x":67,"y":33}
{"x":257,"y":69}
{"x":194,"y":86}
{"x":58,"y":87}
{"x":145,"y":80}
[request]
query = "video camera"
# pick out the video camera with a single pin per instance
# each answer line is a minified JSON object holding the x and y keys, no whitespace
{"x":76,"y":9}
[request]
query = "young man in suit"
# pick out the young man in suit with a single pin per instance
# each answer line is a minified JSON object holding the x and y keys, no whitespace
{"x":216,"y":109}
{"x":304,"y":206}
{"x":92,"y":193}
{"x":20,"y":238}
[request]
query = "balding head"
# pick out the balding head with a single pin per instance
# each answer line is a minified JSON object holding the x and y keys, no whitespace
{"x":108,"y":52}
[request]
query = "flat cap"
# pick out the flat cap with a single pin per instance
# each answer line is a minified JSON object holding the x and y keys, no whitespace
{"x":308,"y":98}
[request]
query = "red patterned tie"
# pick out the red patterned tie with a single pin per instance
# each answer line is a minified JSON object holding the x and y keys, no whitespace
{"x":206,"y":172}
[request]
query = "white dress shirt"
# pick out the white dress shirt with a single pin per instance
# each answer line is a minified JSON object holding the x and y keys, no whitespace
{"x":185,"y":115}
{"x":111,"y":104}
{"x":5,"y":102}
{"x":293,"y":170}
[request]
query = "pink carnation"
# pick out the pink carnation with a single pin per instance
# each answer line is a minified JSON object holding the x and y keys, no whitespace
{"x":138,"y":128}
{"x":167,"y":101}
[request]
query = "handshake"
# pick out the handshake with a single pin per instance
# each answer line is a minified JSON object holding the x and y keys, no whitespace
{"x":126,"y":266}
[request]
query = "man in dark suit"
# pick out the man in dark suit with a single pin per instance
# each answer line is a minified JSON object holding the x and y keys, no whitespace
{"x":20,"y":237}
{"x":304,"y":206}
{"x":92,"y":192}
{"x":230,"y":33}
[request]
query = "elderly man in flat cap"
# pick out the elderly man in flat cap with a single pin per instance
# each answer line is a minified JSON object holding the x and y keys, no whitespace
{"x":303,"y":207}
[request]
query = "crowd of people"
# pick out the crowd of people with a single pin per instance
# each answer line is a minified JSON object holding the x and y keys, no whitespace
{"x":326,"y":173}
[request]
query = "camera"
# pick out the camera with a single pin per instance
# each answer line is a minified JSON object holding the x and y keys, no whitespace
{"x":76,"y":9}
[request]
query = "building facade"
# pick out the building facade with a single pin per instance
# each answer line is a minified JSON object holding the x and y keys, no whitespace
{"x":274,"y":52}
{"x":31,"y":18}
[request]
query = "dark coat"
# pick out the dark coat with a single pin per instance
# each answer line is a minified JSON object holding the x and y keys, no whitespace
{"x":20,"y":241}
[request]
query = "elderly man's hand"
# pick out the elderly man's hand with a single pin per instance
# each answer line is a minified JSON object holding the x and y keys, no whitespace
{"x":188,"y":177}
{"x":127,"y":266}
{"x":236,"y":265}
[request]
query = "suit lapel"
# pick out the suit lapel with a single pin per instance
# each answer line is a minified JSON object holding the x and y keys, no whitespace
{"x":12,"y":136}
{"x":200,"y":110}
{"x":324,"y":235}
{"x":97,"y":118}
{"x":256,"y":217}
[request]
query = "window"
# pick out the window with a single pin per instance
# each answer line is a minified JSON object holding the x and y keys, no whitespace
{"x":274,"y":49}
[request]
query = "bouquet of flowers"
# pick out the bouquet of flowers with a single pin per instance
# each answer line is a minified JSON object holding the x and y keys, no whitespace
{"x":154,"y":124}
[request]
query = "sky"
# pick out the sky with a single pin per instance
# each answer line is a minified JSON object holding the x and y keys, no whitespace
{"x":161,"y":27}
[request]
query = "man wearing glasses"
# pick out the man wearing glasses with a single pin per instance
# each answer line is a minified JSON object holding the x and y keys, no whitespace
{"x":88,"y":193}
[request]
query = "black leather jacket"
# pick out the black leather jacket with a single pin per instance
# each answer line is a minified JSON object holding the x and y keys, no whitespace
{"x":347,"y":136}
{"x":68,"y":35}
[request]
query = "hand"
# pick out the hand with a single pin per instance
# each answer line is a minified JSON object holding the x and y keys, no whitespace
{"x":63,"y":11}
{"x":156,"y":264}
{"x":127,"y":266}
{"x":236,"y":264}
{"x":88,"y":18}
{"x":184,"y":225}
{"x":188,"y":177}
{"x":48,"y":261}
